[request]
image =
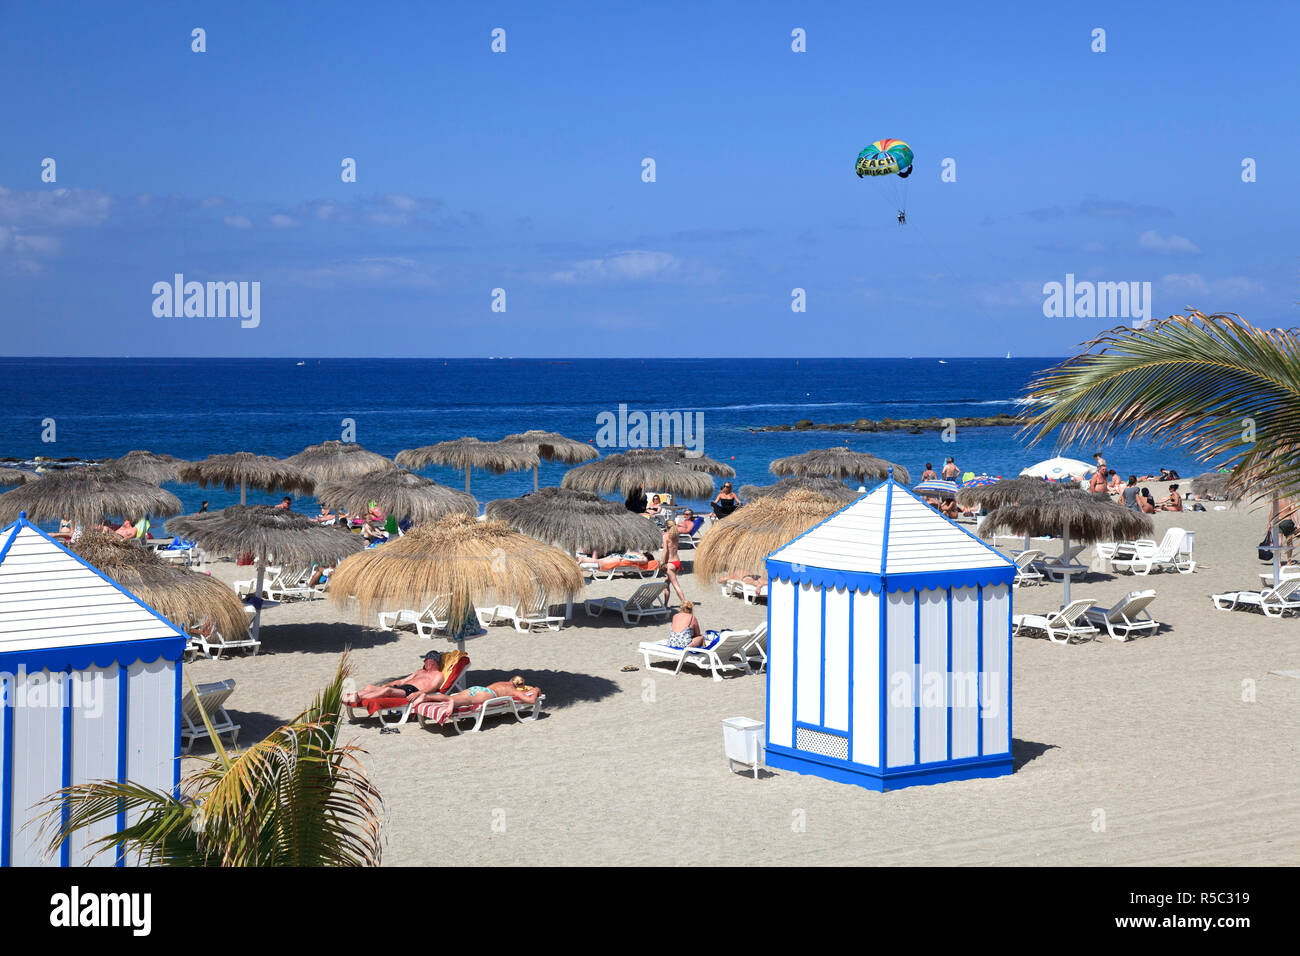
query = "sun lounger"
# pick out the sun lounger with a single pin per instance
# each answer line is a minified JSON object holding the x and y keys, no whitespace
{"x":290,"y":585}
{"x":1139,"y":558}
{"x":215,"y":644}
{"x":427,"y":622}
{"x":1274,"y":602}
{"x":606,"y":569}
{"x":1129,"y":614}
{"x":1056,"y":568}
{"x":397,"y":710}
{"x":245,"y":588}
{"x":724,"y":655}
{"x":748,"y":591}
{"x":1026,"y":574}
{"x":1059,"y":626}
{"x":644,"y":602}
{"x":213,"y":699}
{"x":755,"y":649}
{"x":434,"y":713}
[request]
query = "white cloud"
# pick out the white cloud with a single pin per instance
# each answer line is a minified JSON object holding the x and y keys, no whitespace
{"x":1166,"y":245}
{"x":48,"y":208}
{"x":633,"y":266}
{"x":1013,"y":292}
{"x":1192,"y":282}
{"x":371,"y":270}
{"x":281,"y":221}
{"x":238,"y":222}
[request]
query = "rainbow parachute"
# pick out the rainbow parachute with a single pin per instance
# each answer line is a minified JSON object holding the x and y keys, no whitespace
{"x":885,"y":156}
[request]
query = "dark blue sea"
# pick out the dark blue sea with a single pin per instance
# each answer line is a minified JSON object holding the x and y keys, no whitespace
{"x":195,"y":407}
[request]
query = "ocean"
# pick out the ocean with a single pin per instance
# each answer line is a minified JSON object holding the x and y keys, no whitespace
{"x":98,"y":408}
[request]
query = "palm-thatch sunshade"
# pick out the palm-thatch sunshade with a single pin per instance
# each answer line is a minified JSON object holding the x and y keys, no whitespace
{"x":337,"y":461}
{"x":1008,"y":491}
{"x":467,"y":454}
{"x":244,"y":470}
{"x":627,"y":471}
{"x":576,"y":521}
{"x":740,"y":543}
{"x":397,"y":492}
{"x":473,"y":562}
{"x":182,"y":596}
{"x":265,"y":531}
{"x":147,"y":466}
{"x":16,"y":476}
{"x":681,"y":455}
{"x":826,"y":487}
{"x":552,"y":446}
{"x":85,"y":496}
{"x":1215,"y":484}
{"x":1078,"y":514}
{"x":838,"y":463}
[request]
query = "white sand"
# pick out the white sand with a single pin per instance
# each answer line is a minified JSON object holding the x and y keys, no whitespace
{"x":1127,"y":753}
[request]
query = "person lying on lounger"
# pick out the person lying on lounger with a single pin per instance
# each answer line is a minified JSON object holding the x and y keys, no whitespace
{"x":425,"y":680}
{"x":748,"y":577}
{"x":515,"y":687}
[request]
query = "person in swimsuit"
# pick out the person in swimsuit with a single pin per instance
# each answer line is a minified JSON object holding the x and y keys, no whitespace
{"x":1173,"y":501}
{"x":726,"y":502}
{"x":684,"y":629}
{"x":950,"y":469}
{"x":516,"y":687}
{"x":425,"y":680}
{"x":928,"y":474}
{"x":670,"y":561}
{"x":653,"y":508}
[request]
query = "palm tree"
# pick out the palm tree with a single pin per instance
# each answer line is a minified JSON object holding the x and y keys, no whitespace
{"x":297,"y":798}
{"x":1214,"y":383}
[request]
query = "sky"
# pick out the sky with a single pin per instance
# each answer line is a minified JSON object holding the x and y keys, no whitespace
{"x":523,"y":171}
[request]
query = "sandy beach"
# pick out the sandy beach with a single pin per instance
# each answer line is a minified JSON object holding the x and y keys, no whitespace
{"x":1141,"y":752}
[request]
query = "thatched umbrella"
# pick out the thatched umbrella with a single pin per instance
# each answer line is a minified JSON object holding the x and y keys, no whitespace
{"x":838,"y":463}
{"x":1008,"y":491}
{"x":16,"y":476}
{"x":1214,"y":484}
{"x":178,"y":594}
{"x":85,"y":495}
{"x":244,"y":470}
{"x":469,"y":453}
{"x":552,"y":446}
{"x":264,"y":530}
{"x":679,"y":454}
{"x":399,"y":493}
{"x":472,"y":561}
{"x":826,"y":487}
{"x":576,"y":521}
{"x":630,"y":470}
{"x":1079,"y":514}
{"x":337,"y":461}
{"x":146,"y":466}
{"x":741,"y":542}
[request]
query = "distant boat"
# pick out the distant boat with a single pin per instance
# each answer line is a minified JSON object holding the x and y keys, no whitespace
{"x":302,"y":363}
{"x":942,"y":362}
{"x":1008,"y":355}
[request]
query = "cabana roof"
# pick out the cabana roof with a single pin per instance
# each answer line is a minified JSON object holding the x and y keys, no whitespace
{"x":890,"y":533}
{"x":50,"y":598}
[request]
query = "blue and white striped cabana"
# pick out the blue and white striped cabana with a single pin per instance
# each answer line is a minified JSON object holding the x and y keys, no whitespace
{"x":91,"y":683}
{"x":889,"y":645}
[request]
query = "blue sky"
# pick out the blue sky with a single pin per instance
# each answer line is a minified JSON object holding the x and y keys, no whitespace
{"x":522,"y":171}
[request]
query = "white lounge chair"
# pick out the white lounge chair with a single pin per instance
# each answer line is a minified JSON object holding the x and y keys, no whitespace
{"x":215,"y":644}
{"x":1129,"y":614}
{"x":1140,"y":559}
{"x":643,"y":603}
{"x":492,"y":707}
{"x":1059,"y":626}
{"x":597,"y":573}
{"x":725,"y":655}
{"x":1274,"y":602}
{"x":755,"y":649}
{"x":1057,"y":567}
{"x":1026,"y":573}
{"x":290,"y":585}
{"x":213,"y":699}
{"x":245,"y":588}
{"x":747,"y":591}
{"x":427,"y":622}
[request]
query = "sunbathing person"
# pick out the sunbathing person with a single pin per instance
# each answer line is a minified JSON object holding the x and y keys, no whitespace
{"x":425,"y":680}
{"x":949,"y":509}
{"x":653,"y":508}
{"x":1146,"y":504}
{"x":514,"y":687}
{"x":726,"y":502}
{"x":127,"y":531}
{"x":372,"y":532}
{"x":685,"y":630}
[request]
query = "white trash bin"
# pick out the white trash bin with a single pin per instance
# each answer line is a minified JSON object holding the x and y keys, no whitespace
{"x":742,"y":740}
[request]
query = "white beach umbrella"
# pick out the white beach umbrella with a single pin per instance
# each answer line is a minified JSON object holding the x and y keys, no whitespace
{"x":1058,"y":469}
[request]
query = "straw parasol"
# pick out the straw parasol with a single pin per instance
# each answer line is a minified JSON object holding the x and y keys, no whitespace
{"x":1079,"y":514}
{"x":741,"y":542}
{"x":85,"y":495}
{"x":397,"y":492}
{"x":244,"y":470}
{"x":467,"y":454}
{"x":679,"y":454}
{"x":1214,"y":484}
{"x":552,"y":446}
{"x":576,"y":521}
{"x":146,"y":466}
{"x":838,"y":463}
{"x":630,"y":470}
{"x":337,"y":461}
{"x":16,"y":476}
{"x":265,"y":531}
{"x":826,"y":487}
{"x":473,"y":562}
{"x":1008,"y":491}
{"x":178,"y":594}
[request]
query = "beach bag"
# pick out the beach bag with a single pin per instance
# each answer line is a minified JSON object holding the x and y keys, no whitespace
{"x":1265,"y":551}
{"x":245,"y":558}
